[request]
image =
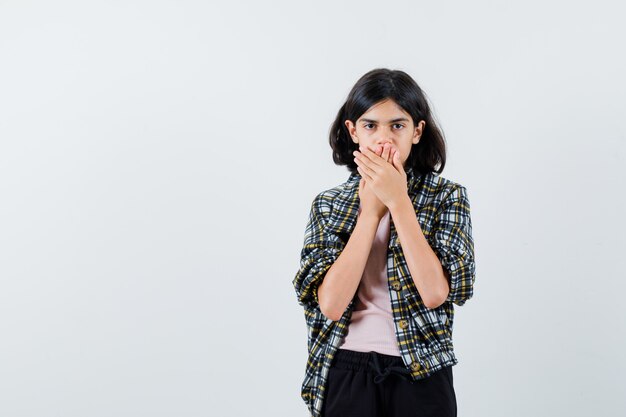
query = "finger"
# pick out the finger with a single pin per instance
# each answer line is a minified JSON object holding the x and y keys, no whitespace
{"x":372,"y":156}
{"x":397,"y":162}
{"x":386,"y":152}
{"x":363,"y":174}
{"x":366,"y":166}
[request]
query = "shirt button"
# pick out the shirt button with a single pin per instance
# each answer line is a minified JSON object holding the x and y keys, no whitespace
{"x":396,"y":285}
{"x":403,"y":324}
{"x":415,"y":366}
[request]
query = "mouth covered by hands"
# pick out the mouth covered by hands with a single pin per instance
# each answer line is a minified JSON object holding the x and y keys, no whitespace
{"x":383,"y":172}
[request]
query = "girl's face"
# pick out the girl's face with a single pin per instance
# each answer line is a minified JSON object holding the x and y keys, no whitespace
{"x":386,"y":122}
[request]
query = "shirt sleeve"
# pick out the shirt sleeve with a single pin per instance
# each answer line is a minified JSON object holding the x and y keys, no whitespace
{"x":320,"y":250}
{"x":451,"y":239}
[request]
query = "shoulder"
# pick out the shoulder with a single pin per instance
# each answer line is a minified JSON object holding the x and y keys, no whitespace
{"x":441,"y":183}
{"x":438,"y":191}
{"x":323,"y":201}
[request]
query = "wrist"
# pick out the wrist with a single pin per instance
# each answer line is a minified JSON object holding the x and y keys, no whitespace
{"x":400,"y":204}
{"x":365,"y":216}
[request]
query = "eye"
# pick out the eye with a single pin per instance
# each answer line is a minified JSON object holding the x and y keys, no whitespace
{"x":399,"y":124}
{"x":368,"y":124}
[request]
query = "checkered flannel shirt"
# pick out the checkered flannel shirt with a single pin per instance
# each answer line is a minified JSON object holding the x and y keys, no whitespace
{"x":424,"y":335}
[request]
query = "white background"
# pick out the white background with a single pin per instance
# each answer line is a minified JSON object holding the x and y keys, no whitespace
{"x":158,"y":160}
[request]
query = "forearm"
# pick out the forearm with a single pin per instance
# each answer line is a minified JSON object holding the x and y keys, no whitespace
{"x":424,"y":266}
{"x":343,"y":278}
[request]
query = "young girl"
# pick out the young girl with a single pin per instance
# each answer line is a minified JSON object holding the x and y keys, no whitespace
{"x":386,"y":255}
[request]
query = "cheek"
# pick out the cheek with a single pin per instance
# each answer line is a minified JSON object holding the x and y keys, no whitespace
{"x":363,"y":132}
{"x":368,"y":144}
{"x":404,"y":154}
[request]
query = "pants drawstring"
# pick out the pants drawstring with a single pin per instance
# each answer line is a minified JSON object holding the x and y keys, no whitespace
{"x":382,"y":374}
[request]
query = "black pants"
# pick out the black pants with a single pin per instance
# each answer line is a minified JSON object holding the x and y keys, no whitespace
{"x":374,"y":384}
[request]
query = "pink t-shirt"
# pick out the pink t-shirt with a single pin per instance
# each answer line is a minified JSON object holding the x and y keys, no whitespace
{"x":371,"y":326}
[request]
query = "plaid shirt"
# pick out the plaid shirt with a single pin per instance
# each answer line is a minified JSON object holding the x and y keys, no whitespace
{"x":424,"y":335}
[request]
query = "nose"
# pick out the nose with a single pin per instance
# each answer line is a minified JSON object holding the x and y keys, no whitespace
{"x":385,"y":136}
{"x":381,"y":143}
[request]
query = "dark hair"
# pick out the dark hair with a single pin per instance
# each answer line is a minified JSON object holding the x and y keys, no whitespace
{"x":375,"y":86}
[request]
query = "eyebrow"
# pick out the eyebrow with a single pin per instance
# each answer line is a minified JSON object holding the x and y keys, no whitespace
{"x":399,"y":119}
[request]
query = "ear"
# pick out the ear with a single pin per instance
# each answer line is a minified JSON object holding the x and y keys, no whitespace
{"x":419,"y":130}
{"x":351,"y":128}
